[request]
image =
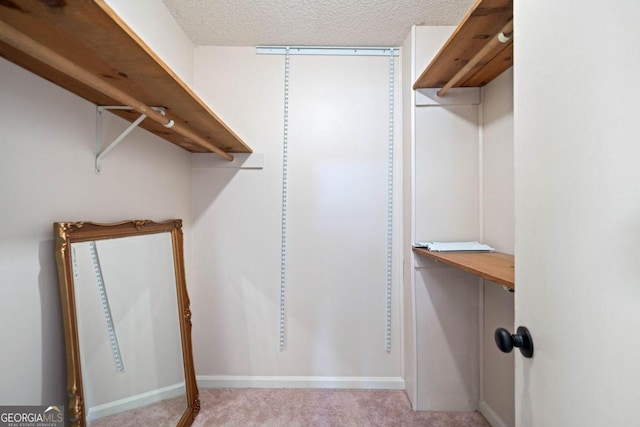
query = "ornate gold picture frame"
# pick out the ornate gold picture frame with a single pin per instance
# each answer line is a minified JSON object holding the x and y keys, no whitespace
{"x":70,"y":236}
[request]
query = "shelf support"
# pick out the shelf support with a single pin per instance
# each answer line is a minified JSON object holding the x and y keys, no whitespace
{"x":503,"y":36}
{"x":100,"y":155}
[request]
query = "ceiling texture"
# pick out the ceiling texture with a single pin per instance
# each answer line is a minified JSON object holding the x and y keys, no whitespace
{"x":378,"y":23}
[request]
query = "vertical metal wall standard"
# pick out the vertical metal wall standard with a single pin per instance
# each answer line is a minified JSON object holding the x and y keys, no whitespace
{"x":111,"y":330}
{"x":285,"y":157}
{"x":391,"y":52}
{"x":390,"y":131}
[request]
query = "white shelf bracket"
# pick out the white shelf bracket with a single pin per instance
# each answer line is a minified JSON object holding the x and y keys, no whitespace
{"x":102,"y":153}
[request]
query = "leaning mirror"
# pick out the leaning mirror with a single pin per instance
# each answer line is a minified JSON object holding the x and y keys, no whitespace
{"x":127,"y":324}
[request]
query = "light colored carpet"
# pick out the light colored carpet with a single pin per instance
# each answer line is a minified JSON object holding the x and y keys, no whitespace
{"x":295,"y":408}
{"x":344,"y":408}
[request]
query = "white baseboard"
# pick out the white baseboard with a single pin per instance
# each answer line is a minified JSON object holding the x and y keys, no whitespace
{"x":136,"y":401}
{"x":229,"y":381}
{"x":491,"y":415}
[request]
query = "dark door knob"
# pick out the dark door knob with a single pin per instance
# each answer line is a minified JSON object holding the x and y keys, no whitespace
{"x":521,"y":339}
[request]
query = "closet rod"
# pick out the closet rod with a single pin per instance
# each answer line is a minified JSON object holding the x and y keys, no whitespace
{"x":501,"y":37}
{"x":34,"y":49}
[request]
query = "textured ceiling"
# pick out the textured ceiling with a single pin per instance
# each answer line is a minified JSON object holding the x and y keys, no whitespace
{"x":310,"y":22}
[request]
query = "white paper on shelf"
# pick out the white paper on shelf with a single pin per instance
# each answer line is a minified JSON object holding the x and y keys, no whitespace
{"x":454,"y":246}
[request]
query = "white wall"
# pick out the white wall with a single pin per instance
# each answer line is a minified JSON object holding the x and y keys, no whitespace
{"x":336,"y":245}
{"x":408,"y":293}
{"x":155,"y":25}
{"x":498,"y":226}
{"x":446,"y":207}
{"x":47,"y":149}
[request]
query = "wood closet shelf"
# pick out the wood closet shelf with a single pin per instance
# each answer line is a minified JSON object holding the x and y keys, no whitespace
{"x":89,"y":34}
{"x":494,"y":266}
{"x":481,"y":24}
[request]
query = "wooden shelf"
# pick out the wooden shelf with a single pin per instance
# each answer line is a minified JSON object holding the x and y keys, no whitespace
{"x":494,"y":266}
{"x":90,"y":35}
{"x":483,"y":22}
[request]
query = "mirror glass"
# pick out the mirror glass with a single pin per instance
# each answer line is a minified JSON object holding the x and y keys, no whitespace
{"x":128,"y":346}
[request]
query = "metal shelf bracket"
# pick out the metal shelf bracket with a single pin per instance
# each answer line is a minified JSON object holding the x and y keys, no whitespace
{"x":102,"y":153}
